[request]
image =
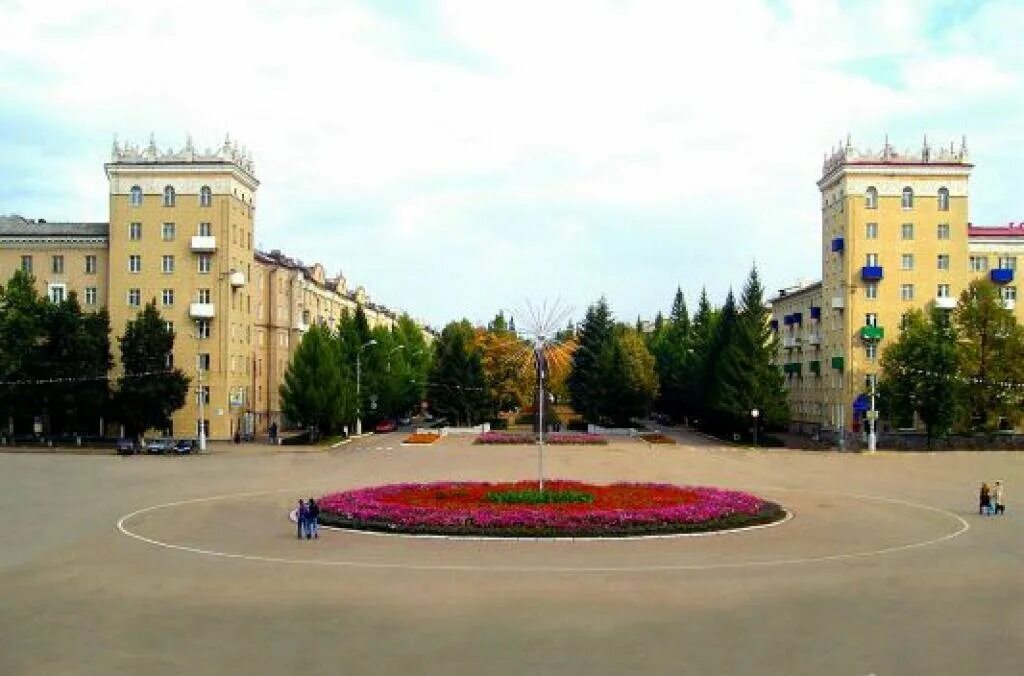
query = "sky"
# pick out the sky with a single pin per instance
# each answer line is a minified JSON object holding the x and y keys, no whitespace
{"x":458,"y":158}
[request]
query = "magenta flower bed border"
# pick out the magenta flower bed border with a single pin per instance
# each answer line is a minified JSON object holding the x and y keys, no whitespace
{"x":717,"y":509}
{"x":554,"y":438}
{"x":575,"y":439}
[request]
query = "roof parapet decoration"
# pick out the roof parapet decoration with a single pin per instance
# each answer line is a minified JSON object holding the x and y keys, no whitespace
{"x":846,"y":153}
{"x":230,"y":151}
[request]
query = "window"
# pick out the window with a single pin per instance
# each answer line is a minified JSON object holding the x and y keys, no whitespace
{"x":58,"y":265}
{"x":56,"y":292}
{"x":168,"y":232}
{"x":871,"y":351}
{"x":205,"y":230}
{"x":90,"y":265}
{"x":135,"y":263}
{"x":907,"y":262}
{"x":169,"y":327}
{"x":205,"y":196}
{"x":135,"y":196}
{"x":204,"y":262}
{"x":907,"y":291}
{"x":871,"y":231}
{"x":871,"y":260}
{"x":943,"y":261}
{"x":168,"y":297}
{"x":203,"y":328}
{"x":203,"y":296}
{"x":134,"y":297}
{"x":168,"y":196}
{"x":1008,"y":262}
{"x":203,"y":361}
{"x":90,"y":295}
{"x":943,"y":231}
{"x":169,"y":360}
{"x":871,"y":319}
{"x":871,"y":290}
{"x":979,"y":263}
{"x":907,"y":231}
{"x":908,"y":198}
{"x":943,"y":199}
{"x":871,"y":198}
{"x":1009,"y":292}
{"x":942,"y":291}
{"x":203,"y":395}
{"x":26,"y":264}
{"x":167,"y":264}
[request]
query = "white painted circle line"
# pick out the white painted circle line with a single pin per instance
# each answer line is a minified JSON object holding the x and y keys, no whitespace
{"x":964,"y":527}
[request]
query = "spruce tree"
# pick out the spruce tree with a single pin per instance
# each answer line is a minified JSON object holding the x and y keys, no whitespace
{"x":313,"y":393}
{"x":458,"y":386}
{"x":586,"y":385}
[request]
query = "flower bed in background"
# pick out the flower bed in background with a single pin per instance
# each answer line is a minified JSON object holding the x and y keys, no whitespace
{"x":421,"y":439}
{"x":498,"y":438}
{"x":657,"y":439}
{"x":509,"y":510}
{"x":575,"y":439}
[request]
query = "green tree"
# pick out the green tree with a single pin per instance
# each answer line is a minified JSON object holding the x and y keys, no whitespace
{"x":921,"y":373}
{"x":697,"y":371}
{"x":313,"y":393}
{"x":458,"y":385}
{"x":630,"y":377}
{"x":22,"y":331}
{"x":148,"y":391}
{"x":587,"y":387}
{"x":991,"y":352}
{"x":672,"y":352}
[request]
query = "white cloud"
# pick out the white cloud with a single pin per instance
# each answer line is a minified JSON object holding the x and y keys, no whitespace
{"x":527,"y":148}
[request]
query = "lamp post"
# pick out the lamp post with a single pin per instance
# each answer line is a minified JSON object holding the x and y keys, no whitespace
{"x":359,"y":401}
{"x":754,"y":413}
{"x":391,"y":352}
{"x":872,"y":418}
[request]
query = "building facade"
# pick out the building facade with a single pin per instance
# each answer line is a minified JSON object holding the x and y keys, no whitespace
{"x":896,"y":235}
{"x":181,"y":233}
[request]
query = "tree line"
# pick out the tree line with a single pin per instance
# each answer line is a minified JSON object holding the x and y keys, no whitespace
{"x":956,"y":371}
{"x":55,"y":362}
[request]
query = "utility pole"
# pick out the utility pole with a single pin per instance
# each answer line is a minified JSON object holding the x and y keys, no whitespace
{"x":872,"y":418}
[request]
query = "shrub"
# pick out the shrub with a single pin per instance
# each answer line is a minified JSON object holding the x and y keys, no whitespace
{"x":531,"y":496}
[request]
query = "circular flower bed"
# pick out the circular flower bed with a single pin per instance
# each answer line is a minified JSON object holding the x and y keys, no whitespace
{"x":478,"y":508}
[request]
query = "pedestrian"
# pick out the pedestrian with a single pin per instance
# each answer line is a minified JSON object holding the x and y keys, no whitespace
{"x":313,"y":519}
{"x":984,"y":500}
{"x":273,"y":433}
{"x":301,"y":518}
{"x":997,"y":498}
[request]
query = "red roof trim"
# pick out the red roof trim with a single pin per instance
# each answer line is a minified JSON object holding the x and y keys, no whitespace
{"x":998,"y":231}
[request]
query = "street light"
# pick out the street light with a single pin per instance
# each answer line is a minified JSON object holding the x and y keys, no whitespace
{"x":754,"y":413}
{"x":391,"y":352}
{"x":359,"y":401}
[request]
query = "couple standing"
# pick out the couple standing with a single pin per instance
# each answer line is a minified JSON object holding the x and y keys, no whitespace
{"x":990,"y":501}
{"x":307,"y":516}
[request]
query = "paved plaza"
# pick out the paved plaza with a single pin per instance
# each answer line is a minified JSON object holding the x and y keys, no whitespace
{"x":885,"y":568}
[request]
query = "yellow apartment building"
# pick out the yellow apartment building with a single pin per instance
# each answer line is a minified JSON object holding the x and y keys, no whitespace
{"x":896,"y":235}
{"x":181,"y":232}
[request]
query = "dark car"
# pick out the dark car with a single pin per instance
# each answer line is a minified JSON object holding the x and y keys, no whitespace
{"x":184,"y":446}
{"x":159,"y":446}
{"x":126,"y":446}
{"x":385,"y":426}
{"x":405,"y":420}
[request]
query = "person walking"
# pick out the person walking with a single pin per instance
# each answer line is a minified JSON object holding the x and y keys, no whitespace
{"x":313,"y":519}
{"x":984,"y":500}
{"x":301,"y":518}
{"x":273,"y":433}
{"x":997,"y":498}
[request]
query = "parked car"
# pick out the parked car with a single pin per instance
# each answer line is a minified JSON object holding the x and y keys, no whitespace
{"x":405,"y":420}
{"x":385,"y":426}
{"x":159,"y":446}
{"x":126,"y":446}
{"x":184,"y":446}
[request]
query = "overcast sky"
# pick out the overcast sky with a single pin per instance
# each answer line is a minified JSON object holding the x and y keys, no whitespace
{"x":460,"y":157}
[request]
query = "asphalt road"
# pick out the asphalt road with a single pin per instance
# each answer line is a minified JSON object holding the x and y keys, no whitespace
{"x":885,"y":569}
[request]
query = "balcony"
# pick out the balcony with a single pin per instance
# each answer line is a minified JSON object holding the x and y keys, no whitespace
{"x":798,"y":317}
{"x":775,"y":324}
{"x":838,"y":302}
{"x":237,"y":279}
{"x":201,"y":310}
{"x":1009,"y":303}
{"x":872,"y":333}
{"x":871,"y":273}
{"x":814,"y":339}
{"x":204,"y":243}
{"x":789,"y":342}
{"x":945,"y":302}
{"x":837,"y":245}
{"x":1001,"y":275}
{"x":792,"y":369}
{"x":837,"y":363}
{"x":815,"y":312}
{"x":814,"y":367}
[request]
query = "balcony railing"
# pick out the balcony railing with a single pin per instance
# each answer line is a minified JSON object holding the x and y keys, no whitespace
{"x":838,"y":302}
{"x":945,"y":302}
{"x":1009,"y":303}
{"x":871,"y":273}
{"x":837,"y":363}
{"x":872,"y":333}
{"x":204,"y":243}
{"x":814,"y":339}
{"x":1001,"y":275}
{"x":837,"y":244}
{"x":201,"y":310}
{"x":815,"y":312}
{"x":814,"y":367}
